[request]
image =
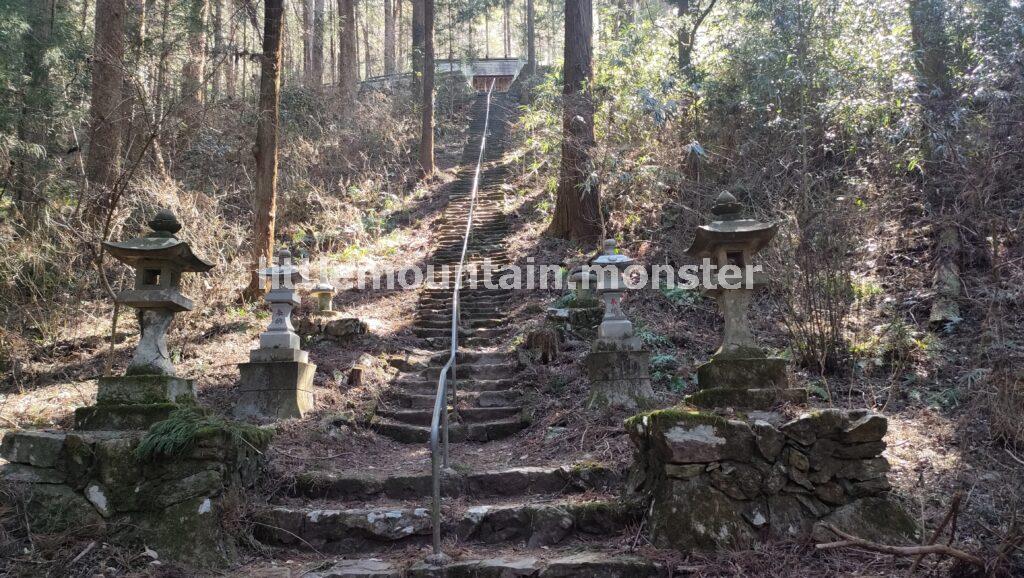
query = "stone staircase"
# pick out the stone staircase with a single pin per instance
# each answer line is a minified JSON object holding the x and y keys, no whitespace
{"x":551,"y":520}
{"x":489,"y":407}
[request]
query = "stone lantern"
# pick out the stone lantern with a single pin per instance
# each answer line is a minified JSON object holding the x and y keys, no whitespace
{"x":617,"y":363}
{"x":739,"y":374}
{"x":278,"y":380}
{"x":324,"y":294}
{"x":150,"y":388}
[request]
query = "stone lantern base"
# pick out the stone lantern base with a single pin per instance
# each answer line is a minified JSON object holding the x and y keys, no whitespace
{"x":276,"y":389}
{"x":744,"y":382}
{"x":743,"y":373}
{"x":619,"y":374}
{"x":134,"y":402}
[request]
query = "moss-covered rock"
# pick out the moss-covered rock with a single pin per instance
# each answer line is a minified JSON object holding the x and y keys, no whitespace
{"x":879,"y":519}
{"x":690,"y":515}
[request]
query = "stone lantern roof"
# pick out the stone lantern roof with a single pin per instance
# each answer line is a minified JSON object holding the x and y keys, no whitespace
{"x":730,"y":230}
{"x":610,"y":257}
{"x":159,"y":246}
{"x":285,"y":274}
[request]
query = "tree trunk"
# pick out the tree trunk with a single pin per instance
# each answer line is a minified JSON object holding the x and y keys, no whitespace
{"x":416,"y":52}
{"x":307,"y":42}
{"x":135,"y":124}
{"x":367,"y":63}
{"x":531,"y":39}
{"x":231,"y":72}
{"x":487,"y":33}
{"x":265,"y":150}
{"x":389,"y":38}
{"x":399,"y":36}
{"x":427,"y":104}
{"x":348,"y":59}
{"x":577,"y":206}
{"x":507,"y":26}
{"x":316,"y":56}
{"x":939,"y":150}
{"x":218,"y":47}
{"x":103,"y":161}
{"x":193,"y":70}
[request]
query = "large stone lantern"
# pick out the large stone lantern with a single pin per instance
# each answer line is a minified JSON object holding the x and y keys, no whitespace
{"x":150,"y":388}
{"x":617,"y":363}
{"x":278,"y":380}
{"x":739,"y":374}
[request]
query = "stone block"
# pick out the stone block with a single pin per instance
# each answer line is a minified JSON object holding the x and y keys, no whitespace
{"x":35,"y":448}
{"x":619,"y":379}
{"x":868,"y":428}
{"x":122,"y":417}
{"x":807,"y":428}
{"x":275,"y":389}
{"x":683,"y":437}
{"x":694,"y":516}
{"x":723,"y":397}
{"x":26,"y":474}
{"x":743,"y":373}
{"x":879,"y":520}
{"x":144,"y":389}
{"x":53,"y":508}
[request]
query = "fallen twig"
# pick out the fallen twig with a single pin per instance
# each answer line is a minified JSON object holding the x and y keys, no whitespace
{"x":954,"y":507}
{"x":850,"y":540}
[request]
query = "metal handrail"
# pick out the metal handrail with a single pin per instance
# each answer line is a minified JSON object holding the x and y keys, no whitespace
{"x":439,"y":421}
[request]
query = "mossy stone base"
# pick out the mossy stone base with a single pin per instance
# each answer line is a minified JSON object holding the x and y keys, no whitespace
{"x":144,"y":389}
{"x":742,"y":373}
{"x":721,"y":397}
{"x":280,"y":389}
{"x":122,"y":417}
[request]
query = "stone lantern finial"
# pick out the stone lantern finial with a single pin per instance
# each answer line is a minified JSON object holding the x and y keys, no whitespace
{"x":164,"y":222}
{"x":726,"y":208}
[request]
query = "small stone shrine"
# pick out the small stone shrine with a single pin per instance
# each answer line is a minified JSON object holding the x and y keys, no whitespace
{"x":739,"y":374}
{"x":617,"y":364}
{"x":278,"y":380}
{"x":150,"y":388}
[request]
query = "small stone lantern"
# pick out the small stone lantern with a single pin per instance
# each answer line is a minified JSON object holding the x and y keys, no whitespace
{"x":324,"y":294}
{"x":278,"y":380}
{"x":617,"y":363}
{"x":150,"y":388}
{"x":738,"y":374}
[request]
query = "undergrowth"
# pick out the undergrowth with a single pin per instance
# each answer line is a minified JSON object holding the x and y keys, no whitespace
{"x":180,"y":432}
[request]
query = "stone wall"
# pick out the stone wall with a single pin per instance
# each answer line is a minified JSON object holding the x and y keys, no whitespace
{"x":720,"y":483}
{"x":92,"y":483}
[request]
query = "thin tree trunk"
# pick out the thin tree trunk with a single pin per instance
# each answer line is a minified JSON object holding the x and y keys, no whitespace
{"x":368,"y":64}
{"x":577,"y":206}
{"x":316,"y":56}
{"x":348,"y":58}
{"x":427,"y":104}
{"x":218,"y":47}
{"x":307,"y":42}
{"x":103,"y":161}
{"x":265,"y":150}
{"x":417,"y":48}
{"x":135,"y":121}
{"x":936,"y":97}
{"x":487,"y":33}
{"x":389,"y":38}
{"x":231,"y":72}
{"x":399,"y":36}
{"x":507,"y":26}
{"x":531,"y":40}
{"x":193,"y":70}
{"x":332,"y":20}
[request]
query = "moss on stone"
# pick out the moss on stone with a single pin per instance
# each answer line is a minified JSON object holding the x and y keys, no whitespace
{"x":674,"y":415}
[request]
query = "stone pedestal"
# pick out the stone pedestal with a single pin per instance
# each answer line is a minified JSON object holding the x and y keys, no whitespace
{"x":619,"y":374}
{"x":134,"y":402}
{"x":744,"y":383}
{"x":276,"y":388}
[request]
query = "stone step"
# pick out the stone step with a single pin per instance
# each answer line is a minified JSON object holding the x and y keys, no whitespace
{"x":466,"y":415}
{"x":574,"y":563}
{"x":482,"y":332}
{"x":468,"y":321}
{"x":474,"y":370}
{"x":457,"y":432}
{"x":565,"y":479}
{"x":439,"y":343}
{"x":339,"y":530}
{"x":466,"y":398}
{"x":420,"y":385}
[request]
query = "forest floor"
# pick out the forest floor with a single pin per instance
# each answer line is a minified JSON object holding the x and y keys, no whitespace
{"x":939,"y":444}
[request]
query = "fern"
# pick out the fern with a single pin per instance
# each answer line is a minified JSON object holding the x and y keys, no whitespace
{"x":184,"y":427}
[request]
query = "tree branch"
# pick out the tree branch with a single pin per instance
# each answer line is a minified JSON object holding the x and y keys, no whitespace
{"x":942,"y":549}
